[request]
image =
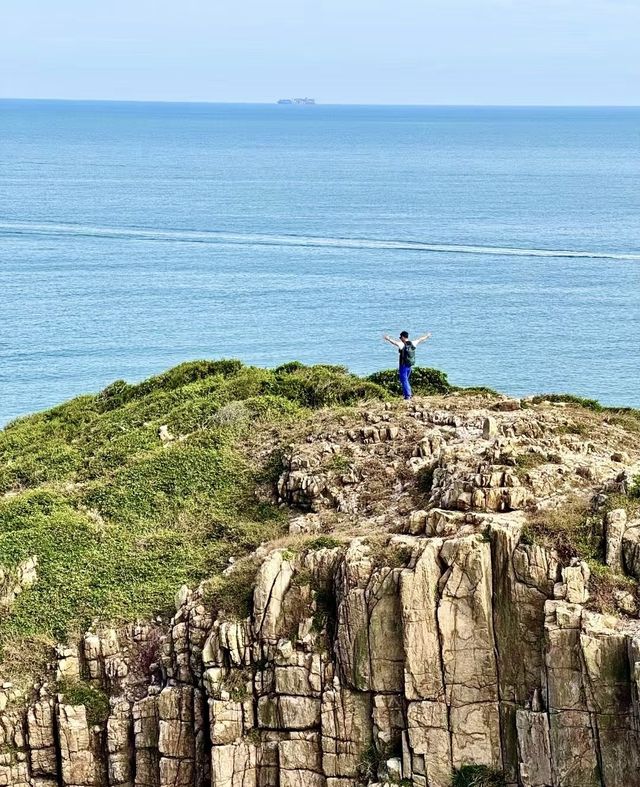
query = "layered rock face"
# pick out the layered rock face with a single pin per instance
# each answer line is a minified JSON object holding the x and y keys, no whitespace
{"x":423,"y":635}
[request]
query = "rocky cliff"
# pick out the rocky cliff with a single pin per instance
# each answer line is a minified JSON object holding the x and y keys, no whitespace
{"x":432,"y":609}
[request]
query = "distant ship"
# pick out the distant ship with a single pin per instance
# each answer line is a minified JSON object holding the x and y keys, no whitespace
{"x":305,"y":101}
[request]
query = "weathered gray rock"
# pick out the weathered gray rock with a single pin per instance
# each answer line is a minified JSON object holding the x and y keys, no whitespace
{"x":465,"y":615}
{"x":534,"y":748}
{"x":419,"y":594}
{"x":346,"y":731}
{"x":615,"y":527}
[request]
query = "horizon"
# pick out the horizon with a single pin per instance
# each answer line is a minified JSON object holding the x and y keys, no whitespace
{"x":208,"y":102}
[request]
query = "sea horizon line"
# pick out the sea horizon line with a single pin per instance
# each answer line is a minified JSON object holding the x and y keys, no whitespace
{"x":274,"y":102}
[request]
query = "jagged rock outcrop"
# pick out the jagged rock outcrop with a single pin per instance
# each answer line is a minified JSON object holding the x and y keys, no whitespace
{"x":425,"y":634}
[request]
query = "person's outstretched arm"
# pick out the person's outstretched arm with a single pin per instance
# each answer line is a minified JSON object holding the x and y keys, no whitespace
{"x":421,"y":339}
{"x":395,"y":342}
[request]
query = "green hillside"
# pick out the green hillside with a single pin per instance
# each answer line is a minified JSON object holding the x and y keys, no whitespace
{"x":125,"y":495}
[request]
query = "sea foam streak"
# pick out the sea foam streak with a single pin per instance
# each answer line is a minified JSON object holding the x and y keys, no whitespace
{"x":258,"y":239}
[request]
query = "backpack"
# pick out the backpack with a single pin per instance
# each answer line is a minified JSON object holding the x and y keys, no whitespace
{"x":408,"y":355}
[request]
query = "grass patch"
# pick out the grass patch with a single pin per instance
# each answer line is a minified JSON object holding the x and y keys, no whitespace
{"x":629,"y":502}
{"x":237,"y":683}
{"x":477,"y":776}
{"x":572,"y":529}
{"x":626,"y":417}
{"x":529,"y":461}
{"x":481,"y":390}
{"x":580,"y":401}
{"x":575,"y":428}
{"x":384,"y":555}
{"x":340,"y":463}
{"x":232,"y":593}
{"x":322,"y":542}
{"x":604,"y":584}
{"x":95,"y":701}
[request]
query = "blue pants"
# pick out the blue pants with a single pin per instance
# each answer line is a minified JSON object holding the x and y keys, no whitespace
{"x":404,"y":372}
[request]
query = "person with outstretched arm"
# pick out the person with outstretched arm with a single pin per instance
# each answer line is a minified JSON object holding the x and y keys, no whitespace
{"x":407,"y":349}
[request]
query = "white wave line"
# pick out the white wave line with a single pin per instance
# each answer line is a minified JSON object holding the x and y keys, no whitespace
{"x":260,"y":239}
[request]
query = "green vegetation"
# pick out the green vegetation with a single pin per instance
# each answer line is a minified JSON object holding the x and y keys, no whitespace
{"x":238,"y":683}
{"x":322,"y":542}
{"x":603,"y":586}
{"x":629,"y":502}
{"x":79,"y":692}
{"x":572,"y":529}
{"x":589,"y":404}
{"x":424,"y":381}
{"x":232,"y":593}
{"x":576,"y":428}
{"x":575,"y":530}
{"x":529,"y":461}
{"x":126,"y":495}
{"x":372,"y":759}
{"x":626,"y":417}
{"x":477,"y":776}
{"x":385,"y":555}
{"x":340,"y":463}
{"x":481,"y":390}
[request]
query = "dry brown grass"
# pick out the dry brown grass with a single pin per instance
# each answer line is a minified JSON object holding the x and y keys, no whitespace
{"x":605,"y":584}
{"x":572,"y":529}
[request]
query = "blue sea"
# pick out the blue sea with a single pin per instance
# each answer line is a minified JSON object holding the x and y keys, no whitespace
{"x":134,"y":236}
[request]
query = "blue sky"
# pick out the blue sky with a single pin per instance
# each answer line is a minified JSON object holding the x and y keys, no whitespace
{"x":340,"y":51}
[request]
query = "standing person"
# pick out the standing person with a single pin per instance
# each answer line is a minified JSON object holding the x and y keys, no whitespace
{"x":407,"y":351}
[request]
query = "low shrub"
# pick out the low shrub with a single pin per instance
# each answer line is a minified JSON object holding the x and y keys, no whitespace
{"x":147,"y":654}
{"x":629,"y":502}
{"x":37,"y":462}
{"x":322,"y":542}
{"x":603,"y":586}
{"x":340,"y":463}
{"x":572,"y":529}
{"x":121,"y":392}
{"x":478,"y":776}
{"x":589,"y":404}
{"x":530,"y":460}
{"x":424,"y":381}
{"x":322,"y":386}
{"x":78,"y":692}
{"x":237,"y":683}
{"x":384,"y":555}
{"x":232,"y":593}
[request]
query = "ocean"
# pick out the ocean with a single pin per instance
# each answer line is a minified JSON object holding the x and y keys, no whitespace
{"x":134,"y":236}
